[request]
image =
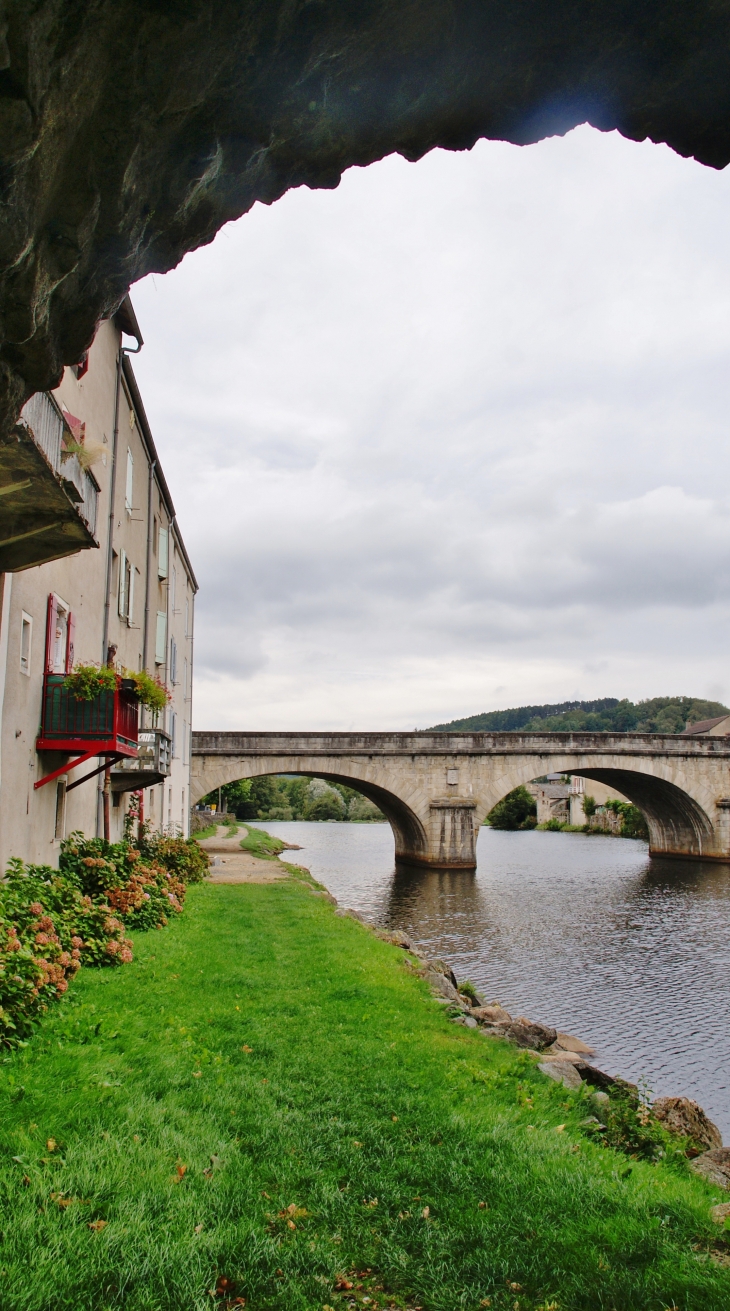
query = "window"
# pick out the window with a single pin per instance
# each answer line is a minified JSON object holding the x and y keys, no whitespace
{"x":161,"y":638}
{"x":173,"y":733}
{"x":185,"y":742}
{"x":59,"y":636}
{"x":60,"y":826}
{"x":185,"y":679}
{"x":26,"y":642}
{"x":129,"y":492}
{"x":162,"y":538}
{"x":173,"y":661}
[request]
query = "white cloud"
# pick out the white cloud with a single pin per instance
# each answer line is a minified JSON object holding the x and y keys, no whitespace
{"x":453,"y":436}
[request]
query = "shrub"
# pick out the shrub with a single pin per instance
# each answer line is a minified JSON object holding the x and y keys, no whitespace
{"x":518,"y":810}
{"x":48,"y":929}
{"x":589,"y":806}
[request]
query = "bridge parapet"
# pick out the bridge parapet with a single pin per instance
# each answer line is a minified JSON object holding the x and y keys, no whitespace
{"x":437,"y":788}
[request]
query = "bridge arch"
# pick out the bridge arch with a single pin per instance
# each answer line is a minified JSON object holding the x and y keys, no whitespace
{"x":679,"y":814}
{"x":408,"y":831}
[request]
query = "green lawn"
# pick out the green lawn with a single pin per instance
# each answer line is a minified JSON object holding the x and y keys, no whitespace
{"x":267,"y":1096}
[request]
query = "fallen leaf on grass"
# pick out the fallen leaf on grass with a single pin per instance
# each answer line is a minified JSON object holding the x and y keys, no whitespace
{"x":98,"y":1225}
{"x":342,"y":1285}
{"x":181,"y":1171}
{"x":483,"y":1206}
{"x":426,"y":1212}
{"x":513,"y":1288}
{"x":486,"y":1301}
{"x":198,"y":1229}
{"x":372,"y":1203}
{"x":559,"y":1128}
{"x":197,"y":1074}
{"x":246,"y":1049}
{"x":51,"y":1145}
{"x":26,"y":1180}
{"x":394,"y":1118}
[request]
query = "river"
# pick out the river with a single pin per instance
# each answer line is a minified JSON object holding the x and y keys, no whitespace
{"x":585,"y":933}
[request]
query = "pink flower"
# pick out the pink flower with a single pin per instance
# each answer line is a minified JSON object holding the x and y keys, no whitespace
{"x":126,"y":955}
{"x":77,"y":942}
{"x":35,"y":908}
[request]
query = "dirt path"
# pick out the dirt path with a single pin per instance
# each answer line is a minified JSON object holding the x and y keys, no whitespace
{"x":232,"y":865}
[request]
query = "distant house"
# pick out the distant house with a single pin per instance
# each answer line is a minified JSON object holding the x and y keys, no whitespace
{"x":719,"y":727}
{"x":561,"y":798}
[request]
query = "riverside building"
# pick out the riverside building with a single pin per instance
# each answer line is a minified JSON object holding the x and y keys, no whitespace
{"x":124,"y":596}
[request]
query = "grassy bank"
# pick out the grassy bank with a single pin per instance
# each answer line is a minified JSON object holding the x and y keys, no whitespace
{"x":268,"y":1097}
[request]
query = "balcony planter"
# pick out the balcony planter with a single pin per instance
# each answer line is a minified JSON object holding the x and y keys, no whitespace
{"x":104,"y":725}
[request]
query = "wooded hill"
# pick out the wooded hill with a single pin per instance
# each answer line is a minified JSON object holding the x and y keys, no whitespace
{"x":659,"y":714}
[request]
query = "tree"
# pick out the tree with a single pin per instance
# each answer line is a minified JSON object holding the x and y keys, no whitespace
{"x":518,"y":810}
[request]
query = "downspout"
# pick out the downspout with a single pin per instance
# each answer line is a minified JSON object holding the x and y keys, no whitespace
{"x":146,"y":629}
{"x":123,"y":350}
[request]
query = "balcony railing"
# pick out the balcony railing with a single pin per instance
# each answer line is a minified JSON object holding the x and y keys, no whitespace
{"x":150,"y":766}
{"x":110,"y":721}
{"x":42,"y":416}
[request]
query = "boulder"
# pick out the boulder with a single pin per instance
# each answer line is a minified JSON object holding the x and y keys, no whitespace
{"x":396,"y":937}
{"x":562,"y":1072}
{"x":466,"y":1020}
{"x":714,"y":1166}
{"x":528,"y":1034}
{"x":440,"y":967}
{"x":571,"y":1044}
{"x":494,"y":1014}
{"x":721,"y":1213}
{"x":683,"y":1116}
{"x":443,"y":986}
{"x":556,"y":1053}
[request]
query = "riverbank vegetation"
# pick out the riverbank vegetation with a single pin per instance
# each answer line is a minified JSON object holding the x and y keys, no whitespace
{"x":267,"y":1109}
{"x":298,"y":798}
{"x":518,"y":810}
{"x":659,"y":714}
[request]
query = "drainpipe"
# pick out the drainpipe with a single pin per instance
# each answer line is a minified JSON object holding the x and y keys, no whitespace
{"x":104,"y":789}
{"x":146,"y":629}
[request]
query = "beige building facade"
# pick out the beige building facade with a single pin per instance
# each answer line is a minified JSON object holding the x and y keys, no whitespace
{"x":128,"y":599}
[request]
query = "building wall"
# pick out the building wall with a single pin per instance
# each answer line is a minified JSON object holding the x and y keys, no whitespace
{"x":32,"y":822}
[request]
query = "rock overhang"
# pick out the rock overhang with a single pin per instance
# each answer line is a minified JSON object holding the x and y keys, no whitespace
{"x":130,"y":133}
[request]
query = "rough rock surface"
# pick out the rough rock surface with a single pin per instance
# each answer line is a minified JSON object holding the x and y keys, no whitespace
{"x":683,"y":1116}
{"x":130,"y":133}
{"x":562,"y":1072}
{"x":494,"y":1014}
{"x":714,"y":1165}
{"x":528,"y":1034}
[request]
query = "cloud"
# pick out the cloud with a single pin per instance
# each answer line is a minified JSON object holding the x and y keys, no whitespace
{"x":453,"y":436}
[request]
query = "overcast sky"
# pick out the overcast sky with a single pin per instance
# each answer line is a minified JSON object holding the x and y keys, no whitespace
{"x":453,"y":437}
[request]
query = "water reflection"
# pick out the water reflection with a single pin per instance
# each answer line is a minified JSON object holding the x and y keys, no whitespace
{"x":632,"y":954}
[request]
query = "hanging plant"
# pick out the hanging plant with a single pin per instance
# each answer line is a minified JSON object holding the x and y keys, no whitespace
{"x":149,"y":691}
{"x":87,"y":682}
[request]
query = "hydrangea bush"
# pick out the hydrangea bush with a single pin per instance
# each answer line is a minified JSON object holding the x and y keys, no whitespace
{"x":54,"y":921}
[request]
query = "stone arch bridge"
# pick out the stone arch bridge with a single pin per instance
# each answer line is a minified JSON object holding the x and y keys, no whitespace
{"x":436,"y":788}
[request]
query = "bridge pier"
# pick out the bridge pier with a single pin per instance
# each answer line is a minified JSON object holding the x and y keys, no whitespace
{"x":451,"y":836}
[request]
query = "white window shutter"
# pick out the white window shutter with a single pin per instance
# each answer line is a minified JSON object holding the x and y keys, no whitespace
{"x":161,"y":638}
{"x":130,"y":598}
{"x":162,"y":554}
{"x":123,"y":583}
{"x":129,"y":494}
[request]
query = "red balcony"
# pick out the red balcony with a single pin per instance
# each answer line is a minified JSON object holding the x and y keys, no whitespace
{"x":105,"y":727}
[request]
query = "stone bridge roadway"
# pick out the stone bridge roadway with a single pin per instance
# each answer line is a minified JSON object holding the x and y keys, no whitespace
{"x":436,"y":788}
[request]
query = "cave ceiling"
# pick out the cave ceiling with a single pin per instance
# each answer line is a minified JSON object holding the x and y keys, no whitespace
{"x":130,"y":132}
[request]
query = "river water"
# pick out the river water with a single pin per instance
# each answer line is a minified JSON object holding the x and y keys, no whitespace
{"x":585,"y":933}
